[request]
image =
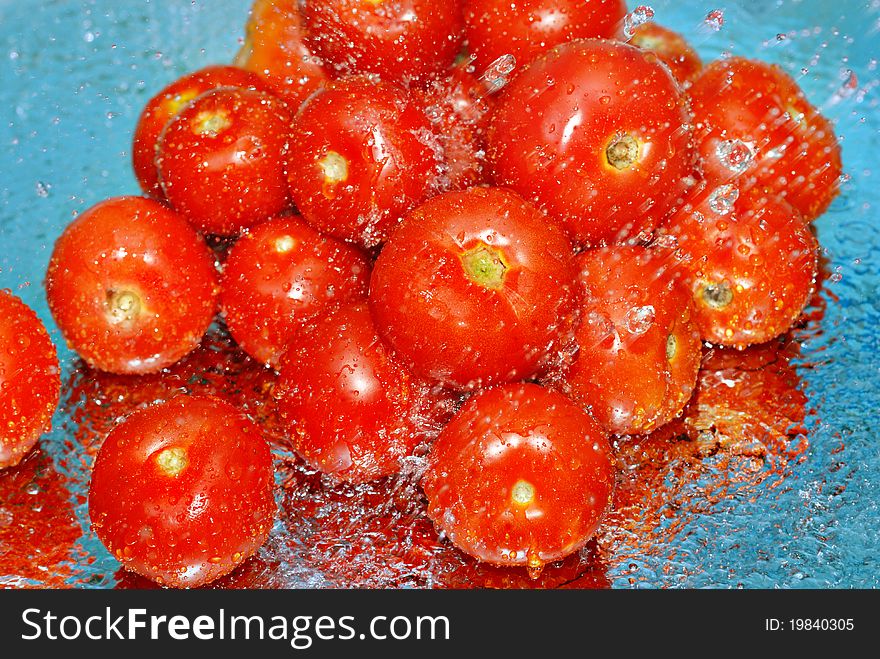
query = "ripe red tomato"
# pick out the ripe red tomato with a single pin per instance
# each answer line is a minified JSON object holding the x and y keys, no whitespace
{"x":131,"y":285}
{"x":221,"y":160}
{"x":527,"y":28}
{"x":598,"y":134}
{"x":519,"y":476}
{"x":638,"y":345}
{"x":755,"y":126}
{"x":476,"y":288}
{"x":281,"y":274}
{"x":361,"y":154}
{"x":400,"y":40}
{"x":750,"y":260}
{"x":30,"y":382}
{"x":166,"y":104}
{"x":182,"y":491}
{"x":274,"y":47}
{"x":350,"y":408}
{"x":672,"y":49}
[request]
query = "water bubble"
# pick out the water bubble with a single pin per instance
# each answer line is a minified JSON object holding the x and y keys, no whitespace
{"x":715,"y":19}
{"x":638,"y":320}
{"x":638,"y":16}
{"x":735,"y":155}
{"x":722,"y":198}
{"x":42,"y":189}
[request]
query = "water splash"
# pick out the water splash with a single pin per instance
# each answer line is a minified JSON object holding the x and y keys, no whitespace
{"x":497,"y":74}
{"x":735,"y":155}
{"x":723,"y":198}
{"x":638,"y":16}
{"x":715,"y":20}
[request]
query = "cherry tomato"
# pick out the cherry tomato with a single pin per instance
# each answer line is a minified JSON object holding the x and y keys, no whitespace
{"x":519,"y":476}
{"x":351,"y":409}
{"x":672,"y":49}
{"x":131,"y":285}
{"x":166,"y":104}
{"x":182,"y":491}
{"x":598,"y":134}
{"x":638,"y":345}
{"x":476,"y":288}
{"x":361,"y":154}
{"x":750,"y":261}
{"x":30,"y":382}
{"x":274,"y":47}
{"x":221,"y":160}
{"x":400,"y":40}
{"x":527,"y":28}
{"x":278,"y":276}
{"x":755,"y":126}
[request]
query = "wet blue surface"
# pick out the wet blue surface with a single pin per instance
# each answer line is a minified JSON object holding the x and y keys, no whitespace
{"x":76,"y":74}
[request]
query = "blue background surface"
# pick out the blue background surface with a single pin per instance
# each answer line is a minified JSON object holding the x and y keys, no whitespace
{"x":76,"y":74}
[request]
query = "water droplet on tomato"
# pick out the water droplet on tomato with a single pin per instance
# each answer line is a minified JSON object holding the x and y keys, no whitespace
{"x":735,"y":155}
{"x":722,"y":199}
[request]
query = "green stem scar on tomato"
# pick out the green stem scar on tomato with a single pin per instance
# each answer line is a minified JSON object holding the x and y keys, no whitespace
{"x":485,"y":266}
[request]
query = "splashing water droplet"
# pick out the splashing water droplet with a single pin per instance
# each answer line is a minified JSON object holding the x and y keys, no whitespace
{"x":42,"y":189}
{"x":723,"y":198}
{"x":850,"y":84}
{"x":497,"y":74}
{"x":638,"y":16}
{"x":638,"y":320}
{"x":715,"y":19}
{"x":735,"y":155}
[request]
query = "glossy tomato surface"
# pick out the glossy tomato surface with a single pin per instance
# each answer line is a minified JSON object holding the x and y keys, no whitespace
{"x":750,"y":260}
{"x":361,"y":155}
{"x":165,"y":105}
{"x":30,"y":382}
{"x":476,"y":288}
{"x":672,"y":49}
{"x":131,"y":285}
{"x":400,"y":40}
{"x":527,"y":28}
{"x":520,"y":476}
{"x":351,"y":409}
{"x":181,"y":492}
{"x":638,"y":344}
{"x":598,"y":134}
{"x":221,"y":160}
{"x":756,"y":127}
{"x":279,"y":275}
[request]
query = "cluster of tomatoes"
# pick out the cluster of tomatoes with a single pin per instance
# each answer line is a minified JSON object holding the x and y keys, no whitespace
{"x":489,"y":234}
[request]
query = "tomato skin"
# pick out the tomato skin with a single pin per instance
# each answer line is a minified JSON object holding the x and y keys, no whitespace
{"x":359,"y":159}
{"x":526,"y":28}
{"x":30,"y":382}
{"x":221,"y":160}
{"x":751,"y":266}
{"x":165,"y":105}
{"x":639,"y":347}
{"x":351,"y":410}
{"x":672,"y":49}
{"x":447,"y":325}
{"x":400,"y":40}
{"x":507,"y":442}
{"x":182,"y":491}
{"x":281,"y":274}
{"x":131,"y":285}
{"x":274,"y":48}
{"x":794,"y":151}
{"x":556,"y":127}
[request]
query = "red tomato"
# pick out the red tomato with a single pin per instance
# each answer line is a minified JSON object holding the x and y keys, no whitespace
{"x":476,"y":288}
{"x":527,"y":28}
{"x":750,"y":260}
{"x":131,"y":285}
{"x":361,"y":155}
{"x":351,"y":409}
{"x":520,"y":476}
{"x":400,"y":40}
{"x":221,"y":160}
{"x":638,"y":345}
{"x":30,"y":382}
{"x":598,"y":134}
{"x":182,"y":492}
{"x":672,"y":49}
{"x":755,"y":126}
{"x":166,"y":104}
{"x":274,"y":47}
{"x":278,"y":276}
